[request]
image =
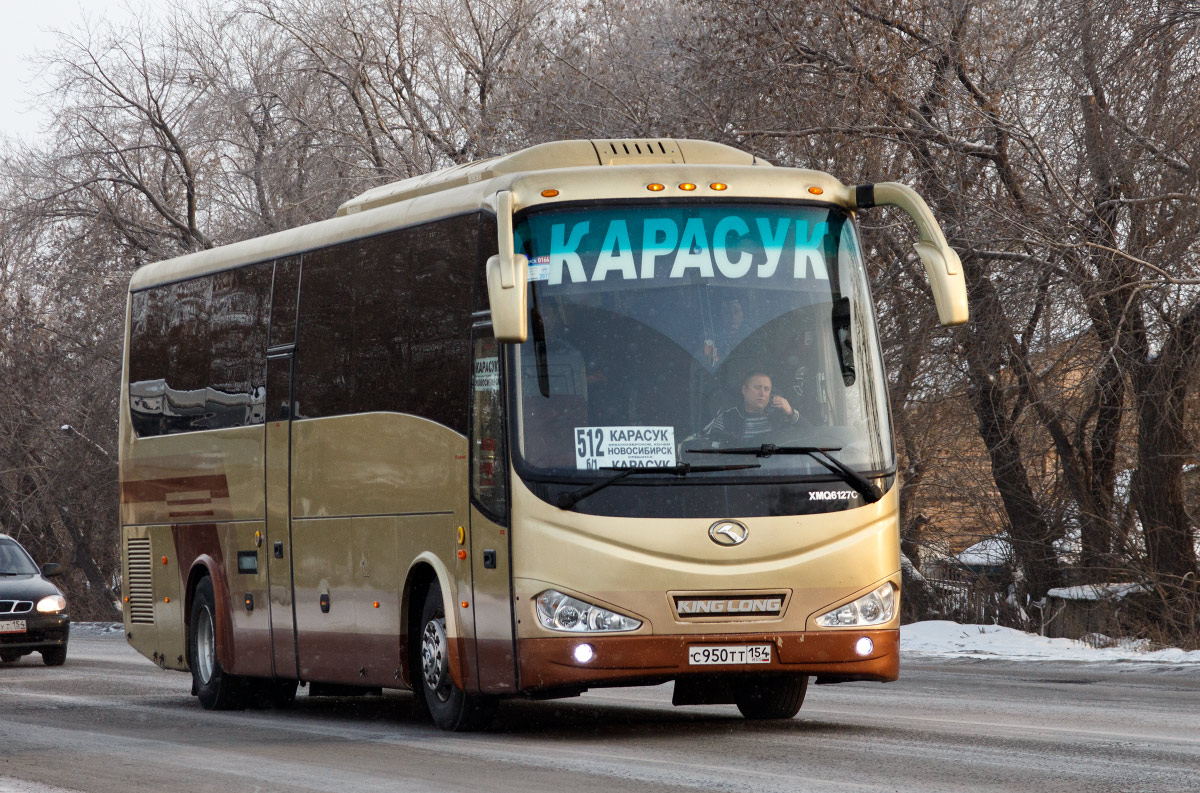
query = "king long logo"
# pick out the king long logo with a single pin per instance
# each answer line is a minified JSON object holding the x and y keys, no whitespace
{"x":759,"y":606}
{"x":730,"y":606}
{"x":728,"y":532}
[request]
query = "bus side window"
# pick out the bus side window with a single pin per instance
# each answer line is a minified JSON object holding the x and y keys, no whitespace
{"x":489,"y":458}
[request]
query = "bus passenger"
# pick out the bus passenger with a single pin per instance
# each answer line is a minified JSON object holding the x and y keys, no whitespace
{"x":759,"y":413}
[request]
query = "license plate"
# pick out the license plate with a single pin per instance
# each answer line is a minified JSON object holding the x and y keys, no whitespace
{"x":12,"y":626}
{"x":729,"y":654}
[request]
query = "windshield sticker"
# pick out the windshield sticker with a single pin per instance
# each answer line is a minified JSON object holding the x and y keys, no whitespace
{"x":539,"y":268}
{"x":623,"y":447}
{"x":487,"y":374}
{"x":732,"y":246}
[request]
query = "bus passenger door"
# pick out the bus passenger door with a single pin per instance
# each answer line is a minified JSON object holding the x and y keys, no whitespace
{"x":281,"y":348}
{"x":491,"y":570}
{"x":278,"y":455}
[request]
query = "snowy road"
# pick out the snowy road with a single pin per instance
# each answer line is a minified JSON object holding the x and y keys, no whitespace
{"x":111,"y":722}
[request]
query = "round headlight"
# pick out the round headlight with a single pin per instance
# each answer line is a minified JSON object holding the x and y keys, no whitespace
{"x":52,"y":604}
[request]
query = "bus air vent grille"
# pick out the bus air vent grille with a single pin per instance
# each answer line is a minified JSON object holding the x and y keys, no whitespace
{"x":140,"y":586}
{"x":638,"y":152}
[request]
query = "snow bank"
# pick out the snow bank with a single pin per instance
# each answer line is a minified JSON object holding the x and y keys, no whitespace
{"x":949,"y":639}
{"x":992,"y":552}
{"x":1096,"y":591}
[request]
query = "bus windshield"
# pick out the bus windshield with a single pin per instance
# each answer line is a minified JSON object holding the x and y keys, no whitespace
{"x":659,"y":333}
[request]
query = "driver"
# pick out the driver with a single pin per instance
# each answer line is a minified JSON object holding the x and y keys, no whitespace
{"x":759,"y":413}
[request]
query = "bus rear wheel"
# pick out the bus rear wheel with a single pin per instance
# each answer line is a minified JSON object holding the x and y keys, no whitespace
{"x":774,"y":697}
{"x":212,"y":685}
{"x":450,"y":707}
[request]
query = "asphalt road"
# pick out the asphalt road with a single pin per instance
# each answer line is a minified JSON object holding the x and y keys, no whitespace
{"x":111,"y":722}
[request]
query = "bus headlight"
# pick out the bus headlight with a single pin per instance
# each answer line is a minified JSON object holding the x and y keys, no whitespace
{"x":52,"y":604}
{"x":874,"y":608}
{"x":560,"y":612}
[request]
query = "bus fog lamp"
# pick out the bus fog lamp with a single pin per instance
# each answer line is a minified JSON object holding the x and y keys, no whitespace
{"x":584,"y":653}
{"x":874,"y":608}
{"x":864,"y":646}
{"x":560,"y":612}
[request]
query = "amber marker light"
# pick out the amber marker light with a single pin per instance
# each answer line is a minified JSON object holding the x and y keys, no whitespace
{"x":462,"y":535}
{"x":549,"y":193}
{"x":719,"y":186}
{"x":164,"y":560}
{"x":465,"y":604}
{"x":462,"y":554}
{"x":655,"y":187}
{"x":166,"y":600}
{"x":815,"y":190}
{"x":375,"y":604}
{"x":687,"y":186}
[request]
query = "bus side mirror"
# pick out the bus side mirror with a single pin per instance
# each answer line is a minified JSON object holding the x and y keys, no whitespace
{"x":942,"y":264}
{"x":507,"y":273}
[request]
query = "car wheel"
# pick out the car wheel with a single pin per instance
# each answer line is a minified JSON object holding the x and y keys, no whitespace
{"x":8,"y":658}
{"x":216,"y":689}
{"x":775,"y":697}
{"x":54,"y":656}
{"x":450,"y":707}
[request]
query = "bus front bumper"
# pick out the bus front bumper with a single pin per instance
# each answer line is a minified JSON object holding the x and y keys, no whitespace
{"x":832,"y":656}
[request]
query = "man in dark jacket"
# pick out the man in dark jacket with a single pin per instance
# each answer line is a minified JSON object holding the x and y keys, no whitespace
{"x":761,"y":412}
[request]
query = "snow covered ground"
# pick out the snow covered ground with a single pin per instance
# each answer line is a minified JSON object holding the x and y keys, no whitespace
{"x":950,"y":639}
{"x":943,"y":639}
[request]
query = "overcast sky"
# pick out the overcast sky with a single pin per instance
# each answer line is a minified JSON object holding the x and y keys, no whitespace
{"x":24,"y":29}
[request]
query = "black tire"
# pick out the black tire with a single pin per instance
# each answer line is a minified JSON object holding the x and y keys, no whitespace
{"x":54,"y":656}
{"x":216,"y":689}
{"x":773,"y":697}
{"x":449,"y":706}
{"x":10,"y":657}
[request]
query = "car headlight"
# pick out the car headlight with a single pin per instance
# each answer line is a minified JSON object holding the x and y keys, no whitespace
{"x":560,"y":612}
{"x":874,"y":608}
{"x":52,"y":604}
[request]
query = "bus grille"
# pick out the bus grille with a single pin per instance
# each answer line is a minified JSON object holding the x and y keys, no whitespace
{"x":141,"y":590}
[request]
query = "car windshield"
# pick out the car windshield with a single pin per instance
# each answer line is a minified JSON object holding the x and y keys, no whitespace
{"x":659,"y":331}
{"x":14,"y":560}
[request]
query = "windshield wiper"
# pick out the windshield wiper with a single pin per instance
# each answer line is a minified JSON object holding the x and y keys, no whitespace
{"x":568,"y":500}
{"x":865,"y":487}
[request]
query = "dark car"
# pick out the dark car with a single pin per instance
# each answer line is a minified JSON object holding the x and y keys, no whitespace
{"x":33,"y":612}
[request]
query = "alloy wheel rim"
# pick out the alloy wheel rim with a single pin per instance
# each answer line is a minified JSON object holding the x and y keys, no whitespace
{"x":434,"y":658}
{"x":206,"y":650}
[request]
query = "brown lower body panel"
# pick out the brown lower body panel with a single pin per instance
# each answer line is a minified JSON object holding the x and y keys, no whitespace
{"x":628,"y":660}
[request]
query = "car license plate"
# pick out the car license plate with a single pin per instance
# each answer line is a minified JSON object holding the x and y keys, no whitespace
{"x":12,"y":626}
{"x":728,"y":654}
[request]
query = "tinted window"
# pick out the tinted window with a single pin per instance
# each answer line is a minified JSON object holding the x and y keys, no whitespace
{"x":384,"y":321}
{"x":283,"y":301}
{"x":197,"y":357}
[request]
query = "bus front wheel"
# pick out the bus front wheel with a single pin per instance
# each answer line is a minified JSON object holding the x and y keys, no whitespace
{"x":450,"y":707}
{"x":215,"y":688}
{"x":774,"y":697}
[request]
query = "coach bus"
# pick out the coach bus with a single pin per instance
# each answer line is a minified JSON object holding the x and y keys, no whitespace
{"x":594,"y":413}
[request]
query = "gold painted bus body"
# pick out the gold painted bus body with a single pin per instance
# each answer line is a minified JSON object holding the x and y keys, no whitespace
{"x":369,"y":505}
